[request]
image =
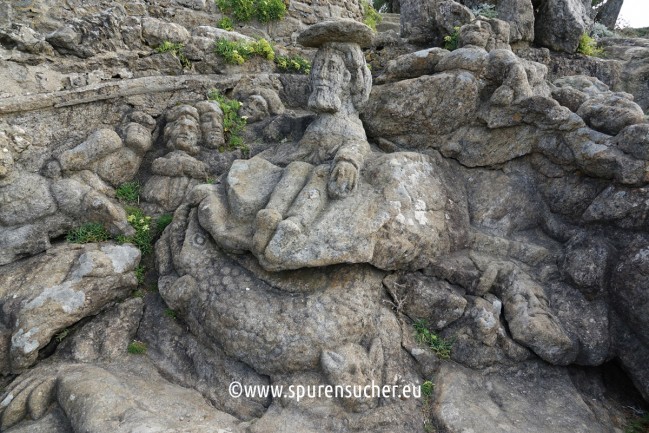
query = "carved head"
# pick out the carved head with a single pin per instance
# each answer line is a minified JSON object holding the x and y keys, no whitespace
{"x":182,"y":131}
{"x":339,"y":75}
{"x":211,"y":123}
{"x":352,"y":365}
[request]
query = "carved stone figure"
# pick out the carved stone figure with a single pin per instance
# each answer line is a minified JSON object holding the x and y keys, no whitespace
{"x":335,"y":201}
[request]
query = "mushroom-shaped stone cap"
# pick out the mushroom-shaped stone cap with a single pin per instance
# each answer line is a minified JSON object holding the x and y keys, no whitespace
{"x":342,"y":30}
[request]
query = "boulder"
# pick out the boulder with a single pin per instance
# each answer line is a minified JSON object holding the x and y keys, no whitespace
{"x":560,"y":23}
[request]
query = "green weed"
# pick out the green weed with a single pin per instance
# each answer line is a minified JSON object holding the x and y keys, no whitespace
{"x":177,"y":51}
{"x":61,"y":335}
{"x":129,"y":192}
{"x":237,"y":52}
{"x":170,"y":313}
{"x":588,"y":46}
{"x":246,"y":10}
{"x":451,"y":41}
{"x":87,"y":233}
{"x":163,"y":221}
{"x":297,"y":64}
{"x":136,"y":347}
{"x":370,"y":16}
{"x":225,"y":23}
{"x":233,"y":124}
{"x":143,"y":237}
{"x":440,"y":346}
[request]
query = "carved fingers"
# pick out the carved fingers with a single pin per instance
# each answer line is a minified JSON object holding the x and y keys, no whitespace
{"x":343,"y":180}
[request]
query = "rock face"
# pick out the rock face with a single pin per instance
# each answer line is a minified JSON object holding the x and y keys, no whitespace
{"x":467,"y":229}
{"x":560,"y":23}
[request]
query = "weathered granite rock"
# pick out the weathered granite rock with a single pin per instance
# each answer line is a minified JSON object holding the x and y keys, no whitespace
{"x":505,"y":399}
{"x":611,"y":113}
{"x":559,"y":24}
{"x":47,"y":293}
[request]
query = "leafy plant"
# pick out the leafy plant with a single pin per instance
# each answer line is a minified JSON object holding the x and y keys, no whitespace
{"x":451,"y":41}
{"x":225,"y":23}
{"x":140,"y":273}
{"x":136,"y":347}
{"x":297,"y":64}
{"x":245,"y":10}
{"x":143,"y":237}
{"x":427,"y":388}
{"x":440,"y":346}
{"x":61,"y":335}
{"x":233,"y":124}
{"x":370,"y":16}
{"x":139,"y":293}
{"x":129,"y":192}
{"x":89,"y":232}
{"x":638,"y":425}
{"x":177,"y":51}
{"x":237,"y":52}
{"x":588,"y":46}
{"x":599,"y":30}
{"x":485,"y":10}
{"x":163,"y":221}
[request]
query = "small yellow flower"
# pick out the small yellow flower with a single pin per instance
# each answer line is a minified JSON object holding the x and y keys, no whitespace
{"x":145,"y":228}
{"x":131,"y":218}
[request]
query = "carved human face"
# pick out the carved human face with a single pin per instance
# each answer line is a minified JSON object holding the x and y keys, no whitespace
{"x":476,"y":34}
{"x":330,"y":80}
{"x":138,"y":137}
{"x":212,"y":129}
{"x":183,"y":135}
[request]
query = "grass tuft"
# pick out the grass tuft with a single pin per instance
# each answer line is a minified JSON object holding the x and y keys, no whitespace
{"x":588,"y":46}
{"x":233,"y":124}
{"x":129,"y":192}
{"x":440,"y":346}
{"x":136,"y":347}
{"x":245,"y":10}
{"x":296,"y":64}
{"x":177,"y":51}
{"x":87,"y":233}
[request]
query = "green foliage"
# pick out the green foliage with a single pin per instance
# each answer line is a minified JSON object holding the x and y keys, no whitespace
{"x":129,"y":192}
{"x":599,"y":30}
{"x":638,"y":425}
{"x":61,"y":335}
{"x":140,"y":273}
{"x":233,"y":124}
{"x":139,"y":293}
{"x":238,"y":52}
{"x":588,"y":46}
{"x":170,"y":313}
{"x":427,"y":388}
{"x":485,"y":10}
{"x":89,"y":232}
{"x":143,"y":237}
{"x":136,"y":347}
{"x":295,"y":64}
{"x":177,"y":51}
{"x":225,"y":23}
{"x":451,"y":41}
{"x":163,"y":221}
{"x":370,"y":16}
{"x":245,"y":10}
{"x":440,"y":346}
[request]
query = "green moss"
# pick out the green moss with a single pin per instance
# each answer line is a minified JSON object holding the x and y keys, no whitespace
{"x":295,"y":64}
{"x":233,"y":124}
{"x":440,"y":346}
{"x":177,"y":51}
{"x":427,"y":388}
{"x":588,"y":46}
{"x":370,"y":16}
{"x":87,"y":233}
{"x":451,"y":41}
{"x":170,"y":313}
{"x":136,"y":348}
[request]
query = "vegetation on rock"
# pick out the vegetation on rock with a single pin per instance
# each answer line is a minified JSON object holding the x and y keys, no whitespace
{"x":89,"y":232}
{"x":370,"y":16}
{"x":245,"y":10}
{"x":588,"y":46}
{"x":233,"y":124}
{"x":177,"y":51}
{"x":440,"y":346}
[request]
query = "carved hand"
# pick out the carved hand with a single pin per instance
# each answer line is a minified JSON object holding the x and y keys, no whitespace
{"x":343,"y":179}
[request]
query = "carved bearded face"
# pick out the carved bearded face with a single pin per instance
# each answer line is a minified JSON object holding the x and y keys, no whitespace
{"x":183,"y":135}
{"x":330,"y":80}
